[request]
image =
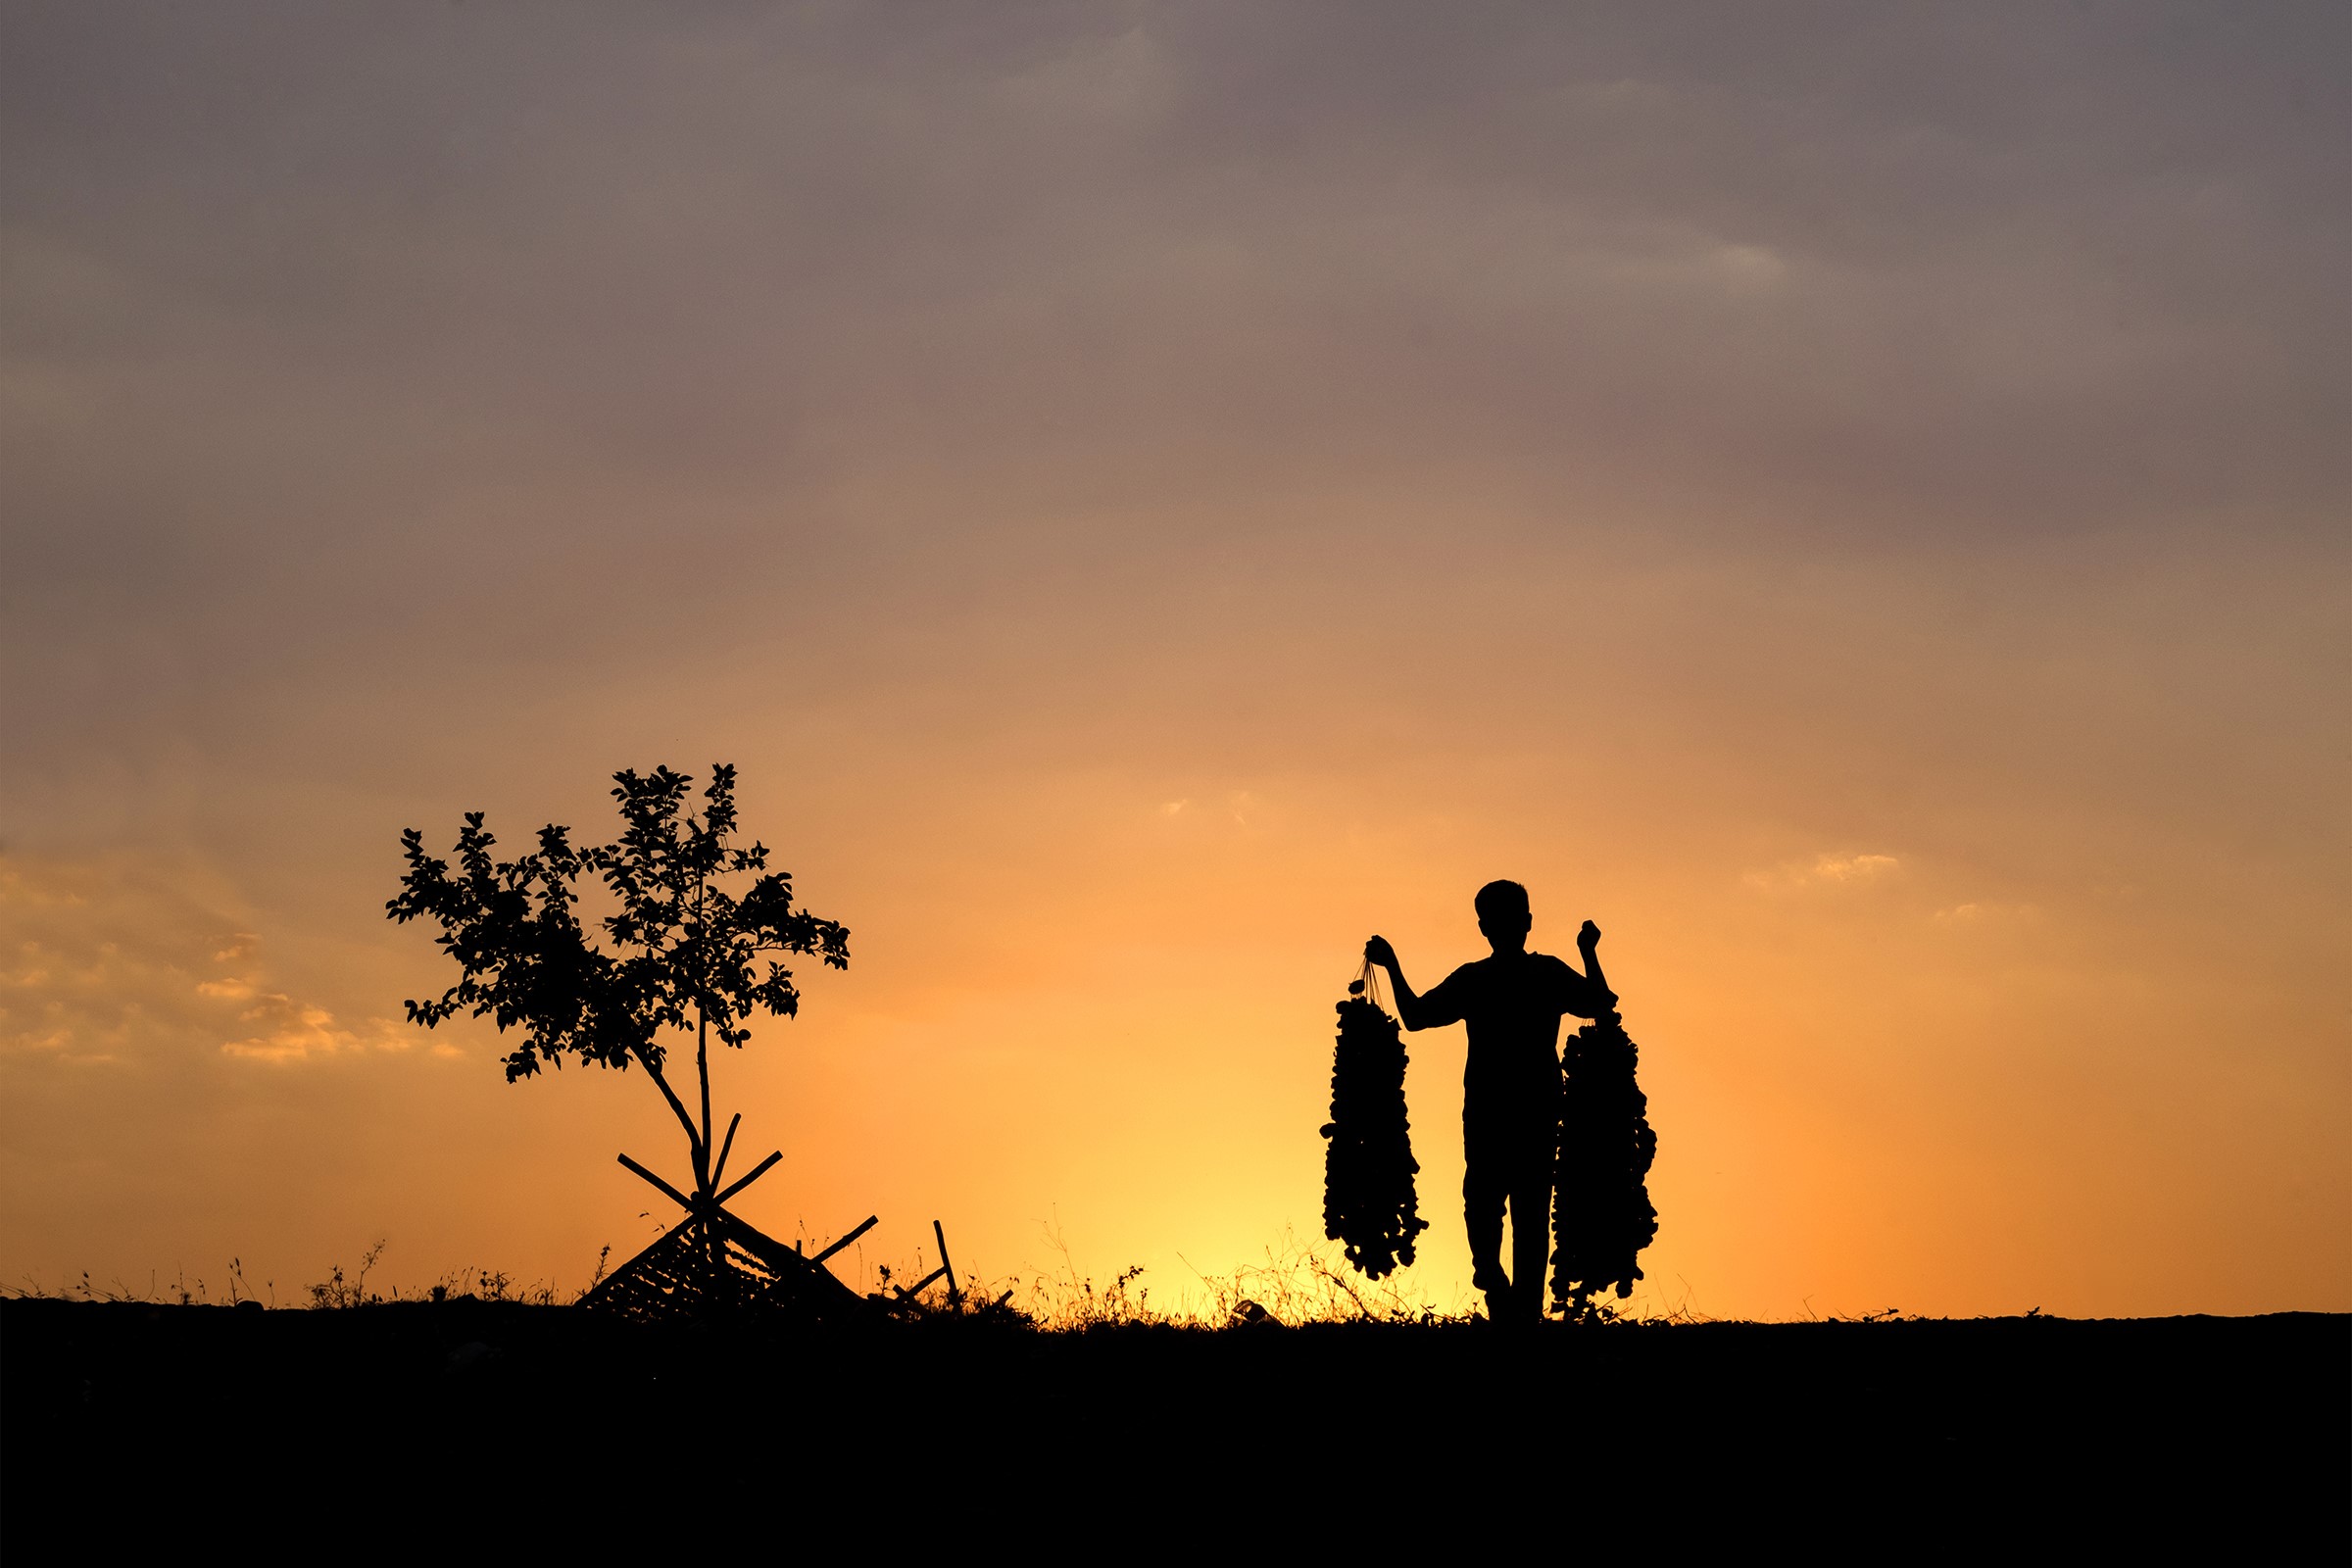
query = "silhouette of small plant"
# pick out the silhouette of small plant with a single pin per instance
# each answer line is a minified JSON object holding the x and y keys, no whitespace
{"x":684,"y":954}
{"x":1300,"y":1284}
{"x":332,"y":1291}
{"x":336,"y":1292}
{"x":603,"y":1258}
{"x":1081,"y":1307}
{"x":976,"y":1302}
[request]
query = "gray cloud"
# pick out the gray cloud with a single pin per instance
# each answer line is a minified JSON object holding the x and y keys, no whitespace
{"x":1840,"y":249}
{"x":406,"y":364}
{"x":1893,"y":453}
{"x":372,"y":383}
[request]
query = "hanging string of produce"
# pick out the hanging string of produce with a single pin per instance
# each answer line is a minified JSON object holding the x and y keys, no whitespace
{"x":1368,"y":1167}
{"x":1602,"y":1215}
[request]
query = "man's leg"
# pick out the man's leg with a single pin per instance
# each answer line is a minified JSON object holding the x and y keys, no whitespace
{"x":1531,"y":1237}
{"x":1484,"y":1189}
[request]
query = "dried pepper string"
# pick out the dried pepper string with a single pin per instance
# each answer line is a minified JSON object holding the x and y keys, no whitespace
{"x":1368,"y":1165}
{"x":1602,"y":1215}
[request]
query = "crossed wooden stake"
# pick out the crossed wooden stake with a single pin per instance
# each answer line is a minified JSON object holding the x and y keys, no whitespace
{"x":712,"y":1209}
{"x":945,"y":1270}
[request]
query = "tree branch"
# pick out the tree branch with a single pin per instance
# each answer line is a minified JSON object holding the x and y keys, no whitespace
{"x":702,"y":1070}
{"x":677,"y":1105}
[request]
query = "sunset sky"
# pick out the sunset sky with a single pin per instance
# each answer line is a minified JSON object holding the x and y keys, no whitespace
{"x":1851,"y":499}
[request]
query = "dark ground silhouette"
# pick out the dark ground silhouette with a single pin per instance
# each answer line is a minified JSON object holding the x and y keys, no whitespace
{"x":466,"y":1421}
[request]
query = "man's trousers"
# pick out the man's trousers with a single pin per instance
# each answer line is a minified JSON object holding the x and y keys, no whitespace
{"x":1507,"y":1160}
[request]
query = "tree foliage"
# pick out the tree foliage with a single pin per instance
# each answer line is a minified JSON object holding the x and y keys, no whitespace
{"x":679,"y":952}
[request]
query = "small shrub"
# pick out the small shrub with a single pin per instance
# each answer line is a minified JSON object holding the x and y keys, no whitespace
{"x":338,"y":1293}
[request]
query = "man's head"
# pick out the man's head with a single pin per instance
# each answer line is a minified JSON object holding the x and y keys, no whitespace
{"x":1502,"y":915}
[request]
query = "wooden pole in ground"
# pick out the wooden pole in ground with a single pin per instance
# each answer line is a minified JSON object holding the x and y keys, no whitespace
{"x":868,"y":1224}
{"x":718,"y":1171}
{"x":684,"y":1202}
{"x":946,"y":1267}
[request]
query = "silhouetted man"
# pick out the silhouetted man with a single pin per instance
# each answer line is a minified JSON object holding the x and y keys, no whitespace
{"x":1513,"y":1003}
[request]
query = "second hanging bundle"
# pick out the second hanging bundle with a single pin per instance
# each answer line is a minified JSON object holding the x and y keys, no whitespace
{"x":1601,"y":1208}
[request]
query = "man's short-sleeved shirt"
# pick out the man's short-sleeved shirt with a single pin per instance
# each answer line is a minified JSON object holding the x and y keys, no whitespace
{"x":1513,"y":1003}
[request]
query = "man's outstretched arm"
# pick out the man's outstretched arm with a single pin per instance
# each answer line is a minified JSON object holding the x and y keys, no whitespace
{"x":1413,"y":1011}
{"x":1588,"y":943}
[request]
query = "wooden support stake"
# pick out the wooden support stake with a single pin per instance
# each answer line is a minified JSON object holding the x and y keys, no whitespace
{"x":720,"y":1169}
{"x":872,"y":1220}
{"x":944,"y":1267}
{"x":684,"y":1202}
{"x":906,"y":1291}
{"x":757,"y":1171}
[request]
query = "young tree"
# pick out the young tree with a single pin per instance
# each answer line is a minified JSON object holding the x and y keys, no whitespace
{"x":684,"y":953}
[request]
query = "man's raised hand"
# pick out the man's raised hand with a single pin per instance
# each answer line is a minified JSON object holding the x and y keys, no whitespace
{"x":1589,"y":937}
{"x":1377,"y":951}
